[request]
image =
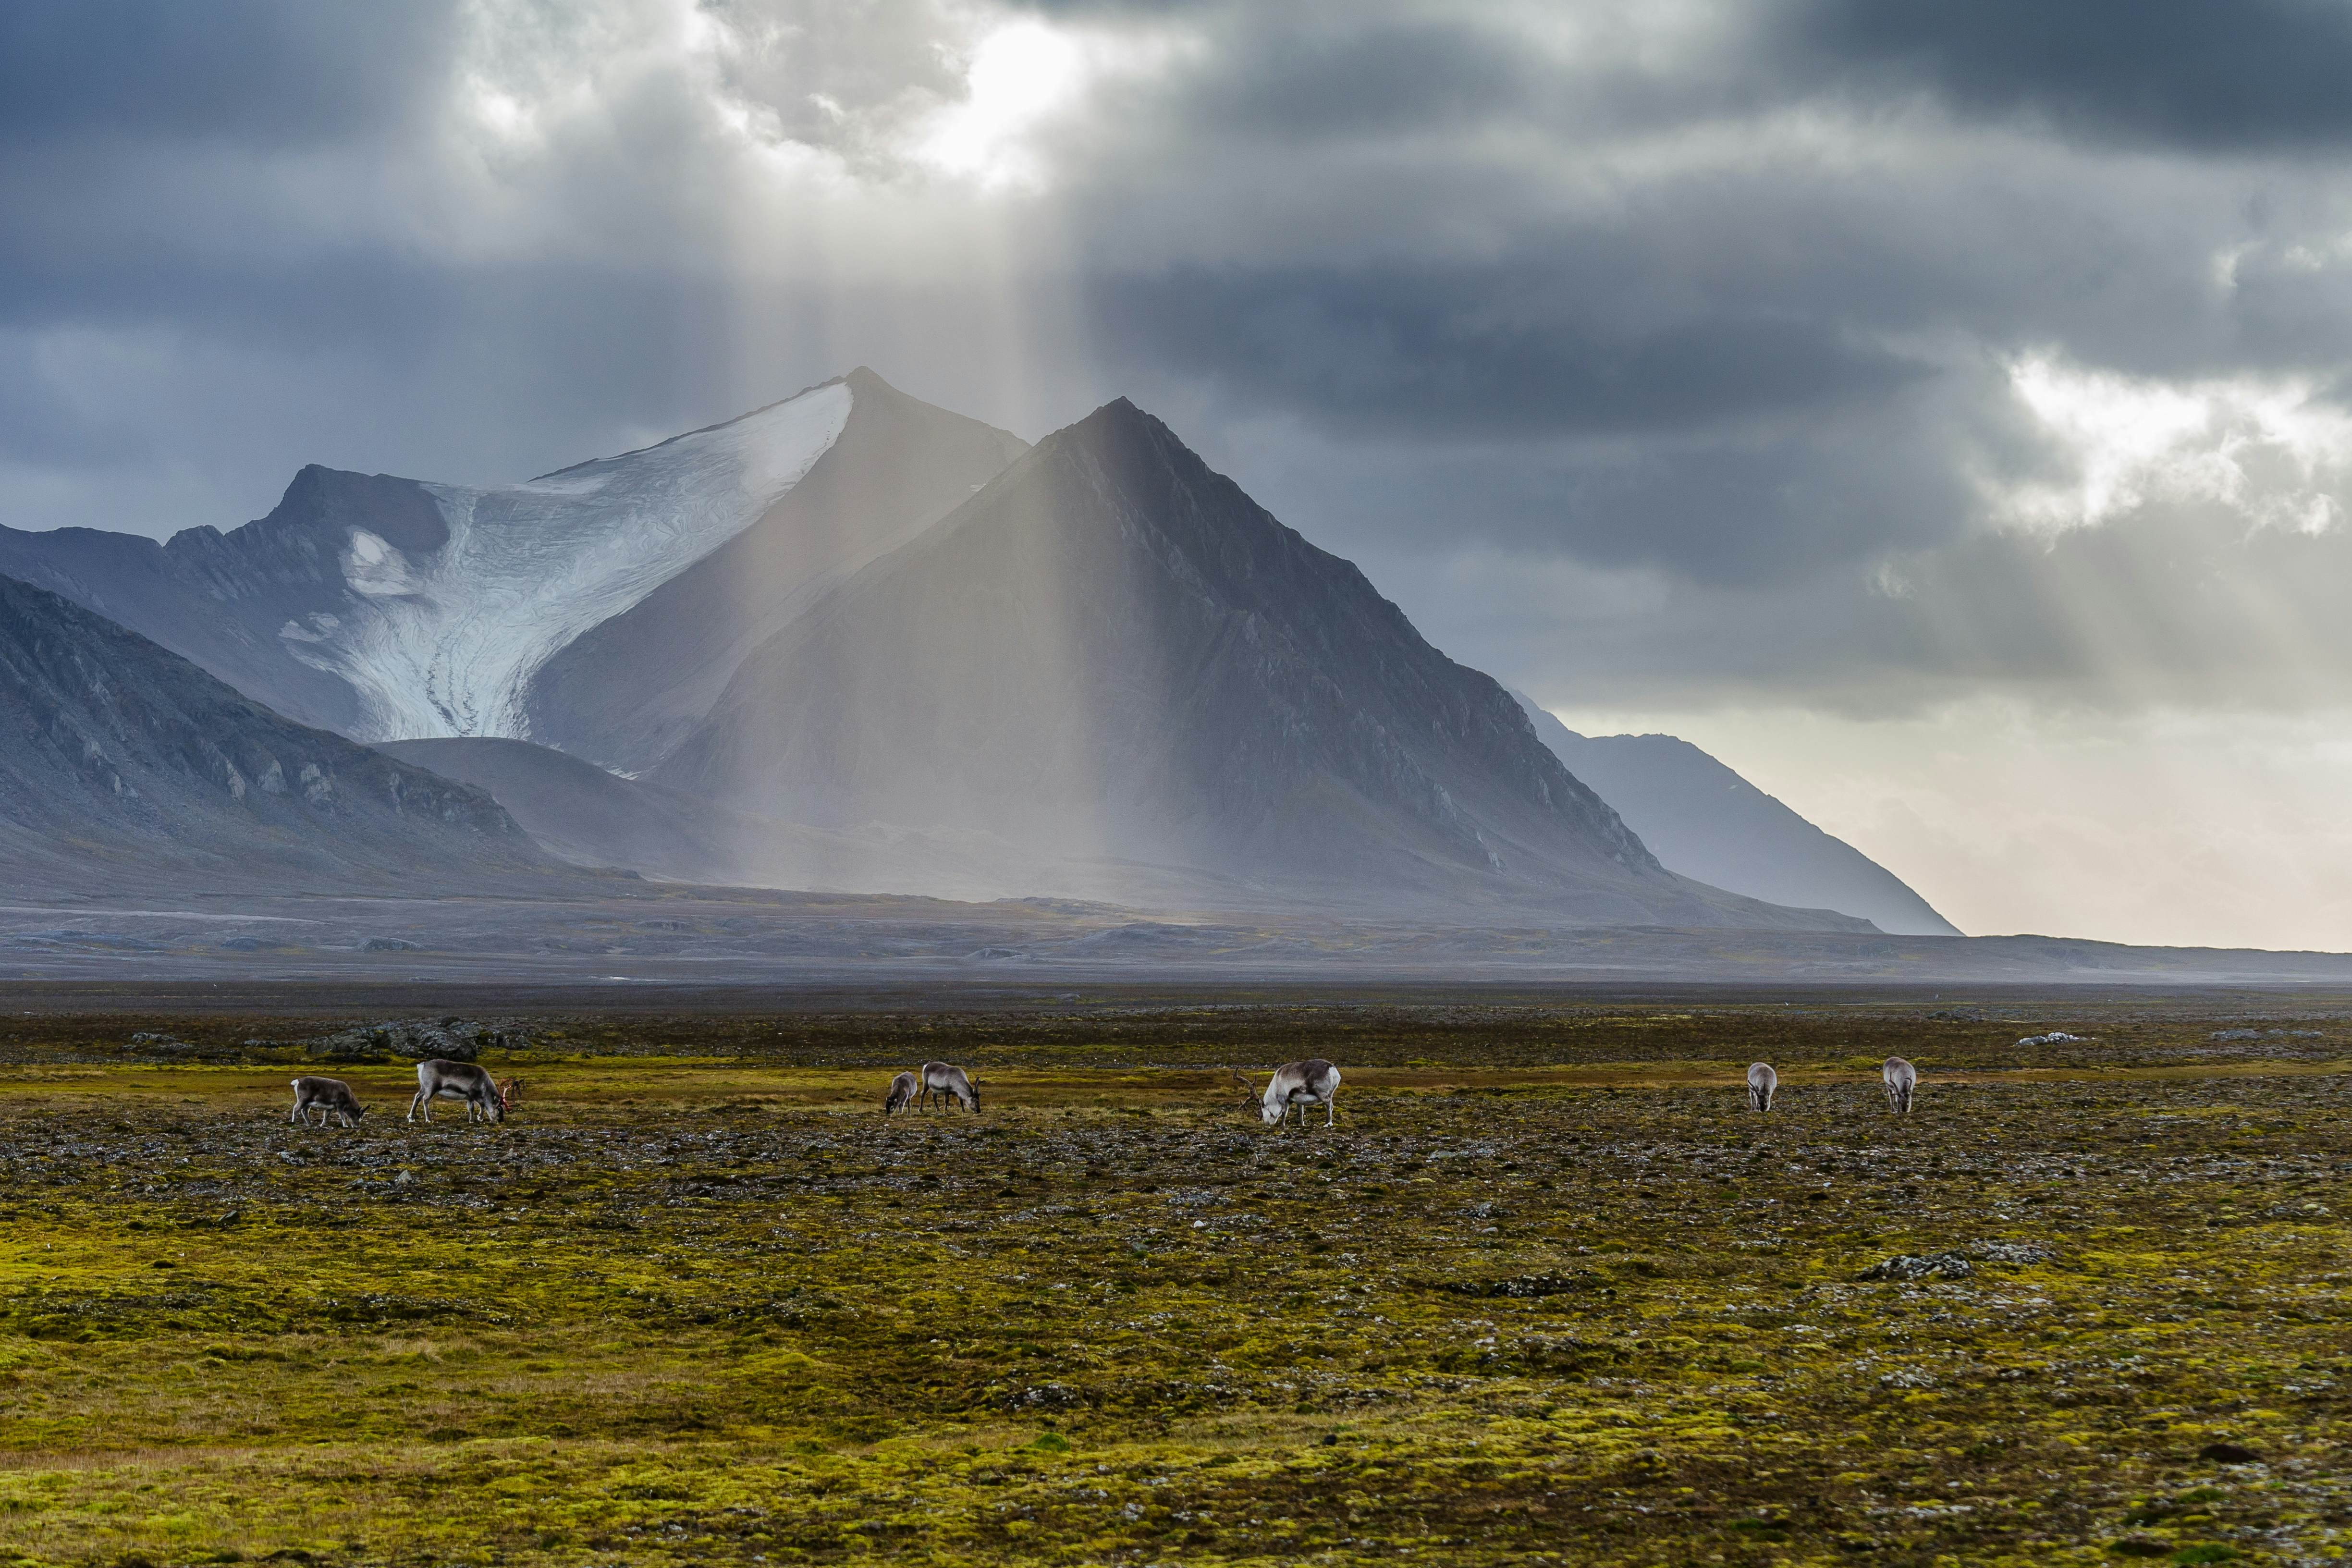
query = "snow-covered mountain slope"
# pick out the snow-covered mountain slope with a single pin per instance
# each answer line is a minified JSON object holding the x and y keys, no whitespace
{"x":388,"y":608}
{"x":1705,"y":821}
{"x":444,"y":642}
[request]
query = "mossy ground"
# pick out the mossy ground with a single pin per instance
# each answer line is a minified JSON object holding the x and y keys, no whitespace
{"x":1572,"y":1304}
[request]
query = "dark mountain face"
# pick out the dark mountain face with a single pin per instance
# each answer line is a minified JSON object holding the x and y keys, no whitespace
{"x":602,"y":607}
{"x":122,"y":764}
{"x":1113,"y":654}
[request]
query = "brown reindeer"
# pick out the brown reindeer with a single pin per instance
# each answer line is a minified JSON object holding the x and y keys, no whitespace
{"x":331,"y":1097}
{"x":439,"y":1079}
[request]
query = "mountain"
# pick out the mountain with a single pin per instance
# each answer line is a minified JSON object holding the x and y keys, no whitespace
{"x":852,"y":641}
{"x":122,"y":764}
{"x":601,"y":606}
{"x":1111,"y":656}
{"x":1706,"y":822}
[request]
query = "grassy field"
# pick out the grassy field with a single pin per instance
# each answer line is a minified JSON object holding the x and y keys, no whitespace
{"x":1547,"y":1292}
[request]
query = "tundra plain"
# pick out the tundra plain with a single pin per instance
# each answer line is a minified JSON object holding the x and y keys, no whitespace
{"x":1549,"y":1293}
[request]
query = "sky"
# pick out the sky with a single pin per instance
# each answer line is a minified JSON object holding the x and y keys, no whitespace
{"x":1938,"y":412}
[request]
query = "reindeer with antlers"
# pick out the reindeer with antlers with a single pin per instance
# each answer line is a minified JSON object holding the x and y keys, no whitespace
{"x":1301,"y":1084}
{"x":486,"y":1097}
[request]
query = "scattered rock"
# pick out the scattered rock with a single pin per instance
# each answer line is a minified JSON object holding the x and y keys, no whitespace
{"x":388,"y":944}
{"x":2016,"y":1252}
{"x":2054,"y":1037}
{"x":1935,"y":1266}
{"x":1044,"y":1395}
{"x":1520,"y":1287}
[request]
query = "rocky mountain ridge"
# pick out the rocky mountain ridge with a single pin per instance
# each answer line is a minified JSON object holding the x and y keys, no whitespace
{"x":122,"y":764}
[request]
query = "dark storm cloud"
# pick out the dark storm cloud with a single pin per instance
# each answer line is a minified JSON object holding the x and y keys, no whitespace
{"x":1716,"y":514}
{"x":273,"y":72}
{"x":1723,"y":298}
{"x":2220,"y":74}
{"x":1487,"y":352}
{"x":1413,"y":75}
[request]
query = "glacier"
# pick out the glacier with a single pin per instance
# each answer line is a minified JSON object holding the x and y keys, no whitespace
{"x":444,"y":642}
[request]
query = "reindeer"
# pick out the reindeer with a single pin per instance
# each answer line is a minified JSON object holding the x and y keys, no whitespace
{"x":485,"y":1096}
{"x":331,"y":1097}
{"x":1761,"y":1081}
{"x":903,"y":1090}
{"x":1902,"y":1083}
{"x":1311,"y":1082}
{"x":942,"y":1082}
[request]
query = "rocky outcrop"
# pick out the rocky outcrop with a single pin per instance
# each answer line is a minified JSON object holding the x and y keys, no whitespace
{"x":414,"y":1039}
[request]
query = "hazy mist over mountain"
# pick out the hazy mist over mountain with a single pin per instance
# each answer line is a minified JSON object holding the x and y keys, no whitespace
{"x":1935,"y":413}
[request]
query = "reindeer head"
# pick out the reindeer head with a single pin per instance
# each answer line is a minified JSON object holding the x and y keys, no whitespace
{"x":1253,"y":1099}
{"x":974,"y":1084}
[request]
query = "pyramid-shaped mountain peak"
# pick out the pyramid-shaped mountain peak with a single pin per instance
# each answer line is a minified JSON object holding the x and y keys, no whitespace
{"x":1111,"y":653}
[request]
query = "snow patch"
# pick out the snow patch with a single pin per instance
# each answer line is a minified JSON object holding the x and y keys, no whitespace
{"x":446,"y":642}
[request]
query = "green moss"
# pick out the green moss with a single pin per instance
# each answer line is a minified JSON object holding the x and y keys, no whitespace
{"x":687,"y":1310}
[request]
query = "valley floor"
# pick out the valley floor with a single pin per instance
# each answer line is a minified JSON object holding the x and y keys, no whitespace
{"x":1547,"y":1292}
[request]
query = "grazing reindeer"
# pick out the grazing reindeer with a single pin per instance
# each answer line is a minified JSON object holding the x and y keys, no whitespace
{"x":1311,"y":1082}
{"x":332,"y":1098}
{"x":903,"y":1090}
{"x":439,"y":1079}
{"x":1761,"y":1081}
{"x":942,"y":1083}
{"x":1902,"y":1083}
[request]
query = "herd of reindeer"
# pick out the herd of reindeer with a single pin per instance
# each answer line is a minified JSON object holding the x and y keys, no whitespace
{"x":1295,"y":1086}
